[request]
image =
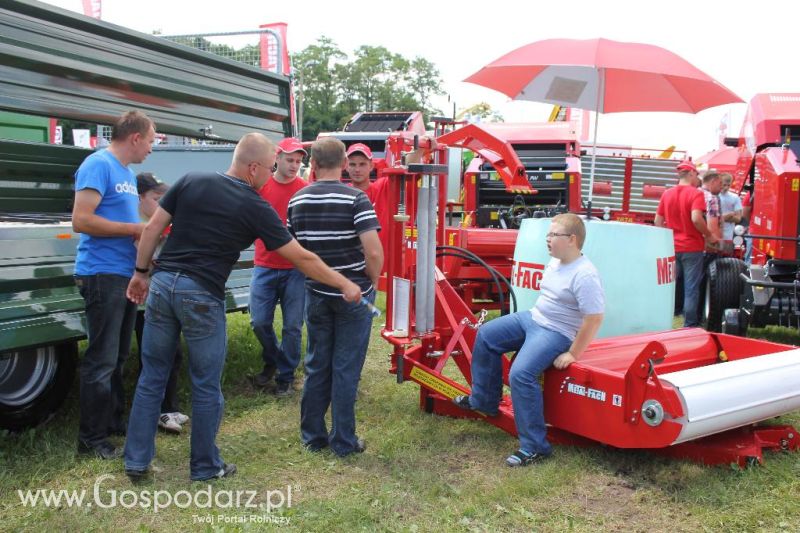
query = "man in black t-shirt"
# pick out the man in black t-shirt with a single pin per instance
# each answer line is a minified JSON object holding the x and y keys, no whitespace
{"x":214,"y":216}
{"x":339,"y":224}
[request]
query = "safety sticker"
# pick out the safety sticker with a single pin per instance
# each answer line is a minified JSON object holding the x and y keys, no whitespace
{"x":795,"y":184}
{"x":434,"y":383}
{"x":616,"y":400}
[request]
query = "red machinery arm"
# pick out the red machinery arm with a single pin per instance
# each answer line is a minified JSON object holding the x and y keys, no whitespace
{"x":497,"y":151}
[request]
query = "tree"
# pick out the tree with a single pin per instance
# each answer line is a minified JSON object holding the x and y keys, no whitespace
{"x":375,"y":80}
{"x":316,"y":72}
{"x":330,"y":88}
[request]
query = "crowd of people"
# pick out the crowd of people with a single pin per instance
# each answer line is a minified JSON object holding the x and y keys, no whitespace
{"x":171,"y":249}
{"x":702,"y":214}
{"x":319,"y":254}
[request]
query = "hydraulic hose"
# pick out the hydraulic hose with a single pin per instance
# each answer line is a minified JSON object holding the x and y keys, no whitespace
{"x":463,"y":253}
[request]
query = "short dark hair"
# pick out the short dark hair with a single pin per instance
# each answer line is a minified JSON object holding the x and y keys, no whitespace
{"x":328,"y":153}
{"x":130,"y":123}
{"x":147,"y":181}
{"x":709,"y":177}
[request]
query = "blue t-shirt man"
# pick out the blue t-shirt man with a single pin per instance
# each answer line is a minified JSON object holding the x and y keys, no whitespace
{"x":119,"y":202}
{"x":106,"y":214}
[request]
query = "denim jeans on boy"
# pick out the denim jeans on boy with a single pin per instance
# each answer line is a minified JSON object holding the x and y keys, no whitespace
{"x":690,"y":269}
{"x":176,"y":303}
{"x":338,"y":335}
{"x":267,"y":287}
{"x":109,"y":319}
{"x":536,"y":347}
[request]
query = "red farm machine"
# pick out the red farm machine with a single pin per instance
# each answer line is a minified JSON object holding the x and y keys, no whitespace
{"x":667,"y":391}
{"x":766,"y":290}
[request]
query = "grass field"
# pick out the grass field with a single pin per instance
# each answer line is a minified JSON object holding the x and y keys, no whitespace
{"x":419,"y":473}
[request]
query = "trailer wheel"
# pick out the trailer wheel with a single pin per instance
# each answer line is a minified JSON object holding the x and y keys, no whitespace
{"x":34,"y":383}
{"x":723,"y":289}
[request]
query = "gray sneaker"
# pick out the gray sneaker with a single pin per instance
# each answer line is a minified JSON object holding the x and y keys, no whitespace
{"x":180,"y":418}
{"x":169,"y":424}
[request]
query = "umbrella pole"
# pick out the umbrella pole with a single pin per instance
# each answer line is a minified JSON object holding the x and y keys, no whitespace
{"x":591,"y":171}
{"x":600,"y":94}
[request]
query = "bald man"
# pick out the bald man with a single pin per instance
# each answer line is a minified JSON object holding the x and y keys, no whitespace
{"x":214,"y":216}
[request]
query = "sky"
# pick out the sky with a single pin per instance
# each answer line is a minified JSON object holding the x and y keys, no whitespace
{"x":749,"y":47}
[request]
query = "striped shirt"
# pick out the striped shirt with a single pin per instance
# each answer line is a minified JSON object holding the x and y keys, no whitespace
{"x":327,"y":218}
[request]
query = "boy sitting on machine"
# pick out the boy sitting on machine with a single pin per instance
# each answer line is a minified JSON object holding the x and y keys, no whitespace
{"x":555,"y":332}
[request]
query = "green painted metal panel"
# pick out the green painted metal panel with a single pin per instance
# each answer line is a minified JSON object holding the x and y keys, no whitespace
{"x":37,"y":178}
{"x":19,"y":127}
{"x":57,"y":63}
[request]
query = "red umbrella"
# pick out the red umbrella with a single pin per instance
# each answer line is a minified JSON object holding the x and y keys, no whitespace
{"x":604,"y":76}
{"x":721,"y":159}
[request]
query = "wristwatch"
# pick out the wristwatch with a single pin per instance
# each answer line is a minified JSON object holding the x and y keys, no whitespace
{"x":141,"y":270}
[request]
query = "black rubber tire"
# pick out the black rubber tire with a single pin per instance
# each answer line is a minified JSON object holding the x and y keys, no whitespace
{"x":22,"y":410}
{"x":724,"y":288}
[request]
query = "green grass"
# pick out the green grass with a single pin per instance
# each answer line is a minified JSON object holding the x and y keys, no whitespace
{"x":420,"y":472}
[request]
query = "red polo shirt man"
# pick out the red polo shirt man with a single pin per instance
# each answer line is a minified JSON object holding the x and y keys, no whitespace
{"x":681,"y":209}
{"x":359,"y":167}
{"x":276,"y":280}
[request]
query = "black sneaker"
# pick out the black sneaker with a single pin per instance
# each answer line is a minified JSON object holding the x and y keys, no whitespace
{"x":136,"y":476}
{"x":263,"y":379}
{"x":227,"y":470}
{"x":284,"y":389}
{"x":523,"y":458}
{"x":361,"y":447}
{"x":315,"y":447}
{"x":103,"y":450}
{"x":464,"y":403}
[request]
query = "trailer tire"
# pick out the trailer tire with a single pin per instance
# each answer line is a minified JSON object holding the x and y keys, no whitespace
{"x":34,"y":383}
{"x":723,"y":290}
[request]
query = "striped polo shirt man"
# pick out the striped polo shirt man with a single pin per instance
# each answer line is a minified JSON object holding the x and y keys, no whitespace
{"x":327,"y":218}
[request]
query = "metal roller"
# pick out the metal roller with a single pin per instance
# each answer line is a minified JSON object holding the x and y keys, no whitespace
{"x":724,"y":396}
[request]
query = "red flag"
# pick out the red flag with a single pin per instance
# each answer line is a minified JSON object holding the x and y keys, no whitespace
{"x":272,"y":49}
{"x":93,"y":8}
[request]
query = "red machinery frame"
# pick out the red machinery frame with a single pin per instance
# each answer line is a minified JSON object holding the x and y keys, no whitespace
{"x":599,"y":399}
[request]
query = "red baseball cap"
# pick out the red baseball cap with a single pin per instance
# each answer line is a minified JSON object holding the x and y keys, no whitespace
{"x":291,"y":145}
{"x":359,"y":147}
{"x":686,"y":164}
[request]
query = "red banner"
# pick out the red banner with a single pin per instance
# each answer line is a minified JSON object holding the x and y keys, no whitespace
{"x":274,"y":51}
{"x":275,"y":58}
{"x":93,"y":8}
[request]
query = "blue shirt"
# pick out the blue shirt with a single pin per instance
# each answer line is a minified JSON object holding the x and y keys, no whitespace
{"x":119,"y":202}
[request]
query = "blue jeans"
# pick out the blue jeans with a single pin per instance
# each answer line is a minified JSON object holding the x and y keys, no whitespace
{"x":268,"y":287}
{"x":536,"y":347}
{"x":109,"y":320}
{"x":690,"y":269}
{"x":176,"y":303}
{"x":338,"y":336}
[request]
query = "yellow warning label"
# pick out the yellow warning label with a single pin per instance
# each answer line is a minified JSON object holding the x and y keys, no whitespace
{"x":451,"y":239}
{"x":571,"y":179}
{"x":494,"y":215}
{"x":434,"y":383}
{"x":795,"y":184}
{"x":410,"y":234}
{"x":558,"y":175}
{"x":472,"y":178}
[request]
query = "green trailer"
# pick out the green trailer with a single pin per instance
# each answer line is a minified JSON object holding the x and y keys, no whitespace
{"x":64,"y":65}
